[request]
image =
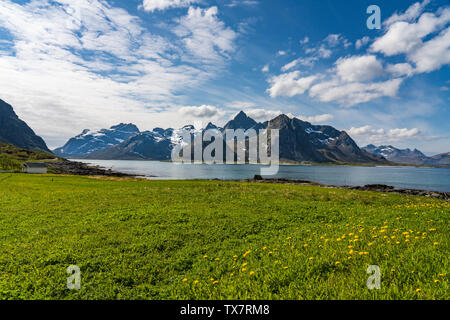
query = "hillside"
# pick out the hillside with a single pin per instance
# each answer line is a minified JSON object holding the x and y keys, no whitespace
{"x":16,"y":132}
{"x":12,"y":157}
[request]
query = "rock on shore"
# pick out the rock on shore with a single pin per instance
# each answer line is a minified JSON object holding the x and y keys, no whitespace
{"x":370,"y":187}
{"x":82,"y":169}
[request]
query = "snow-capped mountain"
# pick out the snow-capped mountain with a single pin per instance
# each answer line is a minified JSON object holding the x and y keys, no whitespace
{"x":406,"y":156}
{"x":300,"y":141}
{"x":155,"y":145}
{"x":91,"y":141}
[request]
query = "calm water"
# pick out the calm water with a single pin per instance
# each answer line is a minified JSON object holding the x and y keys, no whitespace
{"x":436,"y":179}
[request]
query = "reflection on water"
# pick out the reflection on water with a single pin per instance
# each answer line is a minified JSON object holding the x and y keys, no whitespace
{"x":437,"y":179}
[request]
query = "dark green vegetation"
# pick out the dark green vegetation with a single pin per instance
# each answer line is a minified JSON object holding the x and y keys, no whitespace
{"x":136,"y":239}
{"x":12,"y":157}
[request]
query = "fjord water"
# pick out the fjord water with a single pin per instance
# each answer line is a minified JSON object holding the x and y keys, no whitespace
{"x":434,"y":179}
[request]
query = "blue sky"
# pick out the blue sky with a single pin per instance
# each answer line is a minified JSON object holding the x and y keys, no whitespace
{"x":67,"y":65}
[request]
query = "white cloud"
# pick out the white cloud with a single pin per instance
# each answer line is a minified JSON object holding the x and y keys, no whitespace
{"x":321,"y":52}
{"x":359,"y":79}
{"x":281,"y":53}
{"x":334,"y":40}
{"x":433,"y":54}
{"x":369,"y":134}
{"x":359,"y":68}
{"x":400,"y":69}
{"x":308,"y":62}
{"x":152,"y":5}
{"x":404,"y":37}
{"x":361,"y":42}
{"x":290,"y":84}
{"x":265,"y":68}
{"x":203,"y":111}
{"x":73,"y":63}
{"x":240,"y":105}
{"x":412,"y":13}
{"x":322,"y":118}
{"x":305,"y":40}
{"x":235,"y":3}
{"x":262,"y":115}
{"x":204,"y":35}
{"x":350,"y":94}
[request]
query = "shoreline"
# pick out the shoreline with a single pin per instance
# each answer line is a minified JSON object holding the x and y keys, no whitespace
{"x":287,"y":163}
{"x":83,"y":169}
{"x":369,"y":187}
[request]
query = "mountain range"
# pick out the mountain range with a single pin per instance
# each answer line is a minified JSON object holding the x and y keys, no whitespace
{"x":16,"y":132}
{"x":408,"y":156}
{"x":87,"y":142}
{"x":300,"y":141}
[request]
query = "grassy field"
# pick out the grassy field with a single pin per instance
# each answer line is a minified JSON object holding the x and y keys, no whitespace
{"x":216,"y":240}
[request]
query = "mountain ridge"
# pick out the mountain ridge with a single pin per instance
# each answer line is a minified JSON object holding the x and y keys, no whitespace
{"x":408,"y":156}
{"x":15,"y":131}
{"x":300,"y":141}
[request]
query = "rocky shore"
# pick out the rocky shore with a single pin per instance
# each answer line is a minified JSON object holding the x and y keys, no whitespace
{"x":371,"y":187}
{"x":82,"y":169}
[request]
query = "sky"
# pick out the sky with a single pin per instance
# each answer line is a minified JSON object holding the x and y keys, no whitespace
{"x":68,"y":65}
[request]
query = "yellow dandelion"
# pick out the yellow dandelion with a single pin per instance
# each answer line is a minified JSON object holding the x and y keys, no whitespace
{"x":418,"y":290}
{"x":185,"y":279}
{"x":436,"y":281}
{"x":244,"y":264}
{"x":310,"y":258}
{"x":217,"y":259}
{"x":285,"y":267}
{"x":216,"y":282}
{"x":370,"y":244}
{"x":205,"y":256}
{"x":435,"y":243}
{"x":252,"y":273}
{"x":244,"y":269}
{"x":196,"y":281}
{"x":337,"y":262}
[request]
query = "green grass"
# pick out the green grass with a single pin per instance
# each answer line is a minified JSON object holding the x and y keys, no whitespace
{"x":216,"y":240}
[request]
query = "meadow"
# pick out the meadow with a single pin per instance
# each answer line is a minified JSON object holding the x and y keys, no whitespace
{"x":138,"y":239}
